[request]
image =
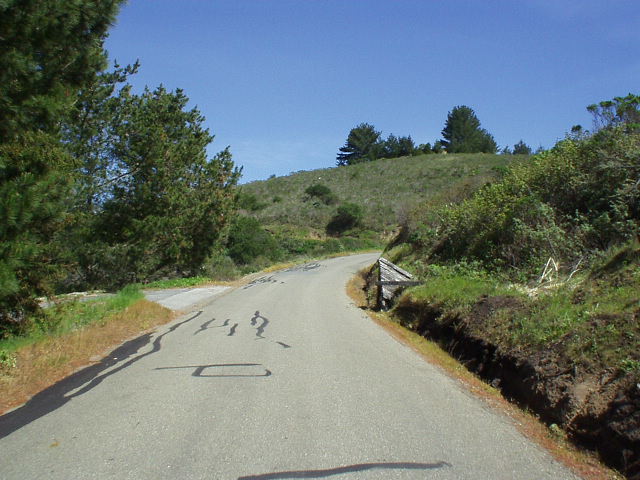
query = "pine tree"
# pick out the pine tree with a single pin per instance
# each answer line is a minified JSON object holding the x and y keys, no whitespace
{"x":49,"y":50}
{"x":167,"y":203}
{"x":462,"y":133}
{"x":363,"y":144}
{"x":521,"y":148}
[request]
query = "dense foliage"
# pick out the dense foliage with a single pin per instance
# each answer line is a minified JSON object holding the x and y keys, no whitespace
{"x":461,"y":134}
{"x":322,"y":193}
{"x":579,"y":197}
{"x":98,"y":186}
{"x":248,"y":240}
{"x":164,"y":204}
{"x":49,"y":50}
{"x":348,"y":216}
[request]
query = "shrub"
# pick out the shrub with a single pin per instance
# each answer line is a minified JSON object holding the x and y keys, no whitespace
{"x":248,"y":240}
{"x":249,"y":202}
{"x":580,"y":196}
{"x":347,"y":217}
{"x":322,"y":193}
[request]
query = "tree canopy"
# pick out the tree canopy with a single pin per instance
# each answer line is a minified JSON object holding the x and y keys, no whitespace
{"x":618,"y":111}
{"x":462,"y":133}
{"x":98,"y":186}
{"x":521,"y":148}
{"x":49,"y":51}
{"x":362,"y":144}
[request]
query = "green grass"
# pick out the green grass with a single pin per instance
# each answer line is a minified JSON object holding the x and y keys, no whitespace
{"x":385,"y":188}
{"x":179,"y":282}
{"x":591,"y":319}
{"x":456,"y":292}
{"x":71,"y":315}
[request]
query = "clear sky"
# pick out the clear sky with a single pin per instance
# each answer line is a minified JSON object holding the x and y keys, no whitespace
{"x":283,"y":81}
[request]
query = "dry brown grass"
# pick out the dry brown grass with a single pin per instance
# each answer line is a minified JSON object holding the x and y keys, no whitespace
{"x":45,"y":362}
{"x":582,"y":463}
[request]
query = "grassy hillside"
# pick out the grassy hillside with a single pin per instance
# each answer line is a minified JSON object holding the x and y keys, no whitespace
{"x":387,"y":189}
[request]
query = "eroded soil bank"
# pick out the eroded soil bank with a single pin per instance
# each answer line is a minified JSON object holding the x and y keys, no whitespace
{"x":598,"y":408}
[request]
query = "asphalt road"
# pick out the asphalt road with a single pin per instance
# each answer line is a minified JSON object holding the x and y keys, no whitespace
{"x":283,"y":378}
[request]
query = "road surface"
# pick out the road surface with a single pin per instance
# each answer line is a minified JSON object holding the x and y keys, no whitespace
{"x":283,"y":378}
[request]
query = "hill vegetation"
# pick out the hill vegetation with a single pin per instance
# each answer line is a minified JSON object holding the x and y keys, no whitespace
{"x":534,"y":281}
{"x":353,"y":207}
{"x":386,"y":189}
{"x":534,"y":261}
{"x":462,"y":133}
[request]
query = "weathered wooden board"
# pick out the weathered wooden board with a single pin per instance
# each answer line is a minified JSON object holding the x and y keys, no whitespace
{"x":391,"y":278}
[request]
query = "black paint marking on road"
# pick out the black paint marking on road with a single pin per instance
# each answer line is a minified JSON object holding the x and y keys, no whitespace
{"x":233,"y":330}
{"x":329,"y":472}
{"x":284,"y":345}
{"x":199,"y":369}
{"x":304,"y":268}
{"x":260,"y":329}
{"x":205,"y":326}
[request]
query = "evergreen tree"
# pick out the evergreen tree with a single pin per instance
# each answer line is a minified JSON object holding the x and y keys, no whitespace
{"x":462,"y":133}
{"x":407,"y":146}
{"x":32,"y":192}
{"x":88,"y":134}
{"x":424,"y":148}
{"x":363,"y":144}
{"x":521,"y":148}
{"x":395,"y":147}
{"x":49,"y":50}
{"x":168,"y":204}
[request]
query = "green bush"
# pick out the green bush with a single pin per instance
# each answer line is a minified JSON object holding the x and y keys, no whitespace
{"x":220,"y":267}
{"x":248,"y":240}
{"x":322,"y":193}
{"x":580,"y":196}
{"x":250,"y":202}
{"x":347,"y":217}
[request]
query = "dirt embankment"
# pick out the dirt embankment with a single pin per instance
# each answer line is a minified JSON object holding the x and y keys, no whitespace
{"x":599,"y":409}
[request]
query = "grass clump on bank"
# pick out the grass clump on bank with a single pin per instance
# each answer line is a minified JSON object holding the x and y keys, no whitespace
{"x":68,"y":314}
{"x":591,"y":318}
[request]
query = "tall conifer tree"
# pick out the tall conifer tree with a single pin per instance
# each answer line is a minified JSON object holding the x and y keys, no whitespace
{"x":49,"y":50}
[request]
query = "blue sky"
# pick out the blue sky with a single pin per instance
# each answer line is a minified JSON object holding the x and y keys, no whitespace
{"x":283,"y":81}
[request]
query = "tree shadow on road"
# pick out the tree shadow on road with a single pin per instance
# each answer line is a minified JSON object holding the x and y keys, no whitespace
{"x":82,"y":381}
